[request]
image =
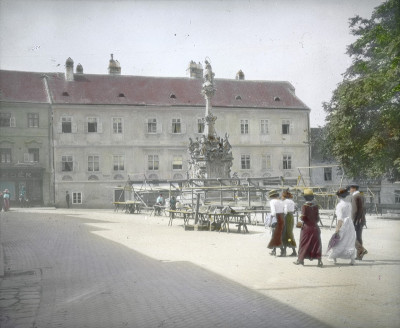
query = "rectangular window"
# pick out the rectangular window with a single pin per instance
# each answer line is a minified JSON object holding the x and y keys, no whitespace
{"x":245,"y":162}
{"x":5,"y":155}
{"x":244,"y":126}
{"x":33,"y":154}
{"x":397,"y":196}
{"x":119,"y":161}
{"x":264,"y":126}
{"x":327,"y":173}
{"x":200,"y":125}
{"x":67,"y":164}
{"x":117,"y":125}
{"x":93,"y":163}
{"x":266,"y":162}
{"x":287,"y":162}
{"x":176,"y":125}
{"x":66,"y":124}
{"x":285,"y":127}
{"x":152,"y":125}
{"x":33,"y":120}
{"x":153,"y":162}
{"x":5,"y":119}
{"x":92,"y":124}
{"x":177,"y":163}
{"x":76,"y":198}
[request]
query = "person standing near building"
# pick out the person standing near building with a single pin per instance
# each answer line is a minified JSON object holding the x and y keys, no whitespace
{"x":358,"y":217}
{"x":67,"y":198}
{"x":310,"y":246}
{"x":287,"y":235}
{"x":345,"y":246}
{"x":277,"y":209}
{"x":6,"y":199}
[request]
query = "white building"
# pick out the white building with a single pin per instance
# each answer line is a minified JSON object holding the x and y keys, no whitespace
{"x":107,"y":128}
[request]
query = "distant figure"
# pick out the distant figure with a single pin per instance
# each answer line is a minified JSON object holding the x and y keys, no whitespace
{"x":22,"y":197}
{"x":276,"y":206}
{"x":358,"y":217}
{"x":172,"y":205}
{"x":2,"y":201}
{"x":344,"y":248}
{"x":287,"y":235}
{"x":67,"y":199}
{"x":310,"y":246}
{"x":159,"y":203}
{"x":6,"y":199}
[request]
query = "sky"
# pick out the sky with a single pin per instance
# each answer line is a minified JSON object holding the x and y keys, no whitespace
{"x":300,"y":41}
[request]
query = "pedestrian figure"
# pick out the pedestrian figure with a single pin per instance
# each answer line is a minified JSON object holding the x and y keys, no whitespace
{"x":358,"y":217}
{"x":67,"y":199}
{"x":159,"y":203}
{"x":276,"y":206}
{"x":310,"y":246}
{"x":172,"y":206}
{"x":344,"y":248}
{"x":6,"y":199}
{"x":287,"y":235}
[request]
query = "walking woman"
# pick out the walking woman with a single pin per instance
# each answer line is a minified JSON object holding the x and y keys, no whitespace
{"x":287,"y":235}
{"x":276,"y":206}
{"x":310,"y":246}
{"x":344,"y":248}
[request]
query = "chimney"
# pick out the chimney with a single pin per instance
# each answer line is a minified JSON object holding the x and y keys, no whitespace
{"x":114,"y":68}
{"x":195,"y":70}
{"x":240,"y":75}
{"x":69,"y":69}
{"x":79,"y":69}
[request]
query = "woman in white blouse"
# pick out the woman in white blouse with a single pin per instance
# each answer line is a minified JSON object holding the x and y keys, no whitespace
{"x":345,"y":247}
{"x":287,"y":235}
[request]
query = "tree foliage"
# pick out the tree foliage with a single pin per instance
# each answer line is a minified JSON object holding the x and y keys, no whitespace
{"x":363,"y":115}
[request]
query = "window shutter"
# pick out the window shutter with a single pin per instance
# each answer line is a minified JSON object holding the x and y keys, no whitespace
{"x":170,"y":127}
{"x":291,"y":127}
{"x":74,"y":128}
{"x":183,"y":127}
{"x":99,"y":127}
{"x":12,"y":122}
{"x":159,"y":127}
{"x":26,"y":157}
{"x":86,"y":127}
{"x":146,"y":129}
{"x":59,"y":127}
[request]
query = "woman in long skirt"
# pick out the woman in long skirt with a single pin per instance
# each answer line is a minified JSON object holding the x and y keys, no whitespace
{"x":310,"y":246}
{"x":345,"y":247}
{"x":287,"y":234}
{"x":276,"y":206}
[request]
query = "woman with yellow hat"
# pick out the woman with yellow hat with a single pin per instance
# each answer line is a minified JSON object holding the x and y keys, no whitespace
{"x":276,"y":206}
{"x":310,"y":246}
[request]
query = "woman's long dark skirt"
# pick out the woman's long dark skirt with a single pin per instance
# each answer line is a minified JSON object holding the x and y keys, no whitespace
{"x":276,"y":239}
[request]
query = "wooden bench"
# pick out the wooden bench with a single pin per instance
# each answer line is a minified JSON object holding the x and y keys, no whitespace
{"x":180,"y":213}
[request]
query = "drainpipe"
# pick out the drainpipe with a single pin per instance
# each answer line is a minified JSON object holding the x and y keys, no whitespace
{"x":309,"y":146}
{"x":51,"y":139}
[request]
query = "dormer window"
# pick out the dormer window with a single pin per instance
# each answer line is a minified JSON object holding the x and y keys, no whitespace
{"x":238,"y":98}
{"x":172,"y":96}
{"x":277,"y":99}
{"x":121,"y":95}
{"x":65,"y":94}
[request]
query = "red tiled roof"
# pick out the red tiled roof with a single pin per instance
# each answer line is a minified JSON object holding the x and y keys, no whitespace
{"x":143,"y":90}
{"x":22,"y":87}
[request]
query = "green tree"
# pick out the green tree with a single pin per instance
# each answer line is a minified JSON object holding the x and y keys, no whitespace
{"x":363,"y":115}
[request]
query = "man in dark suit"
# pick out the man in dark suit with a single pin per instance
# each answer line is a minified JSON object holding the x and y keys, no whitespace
{"x":358,"y":217}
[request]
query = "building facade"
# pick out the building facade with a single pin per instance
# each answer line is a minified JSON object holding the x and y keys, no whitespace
{"x":109,"y":128}
{"x":25,"y":143}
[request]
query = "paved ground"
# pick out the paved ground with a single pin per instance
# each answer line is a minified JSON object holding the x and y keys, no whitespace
{"x":85,"y":268}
